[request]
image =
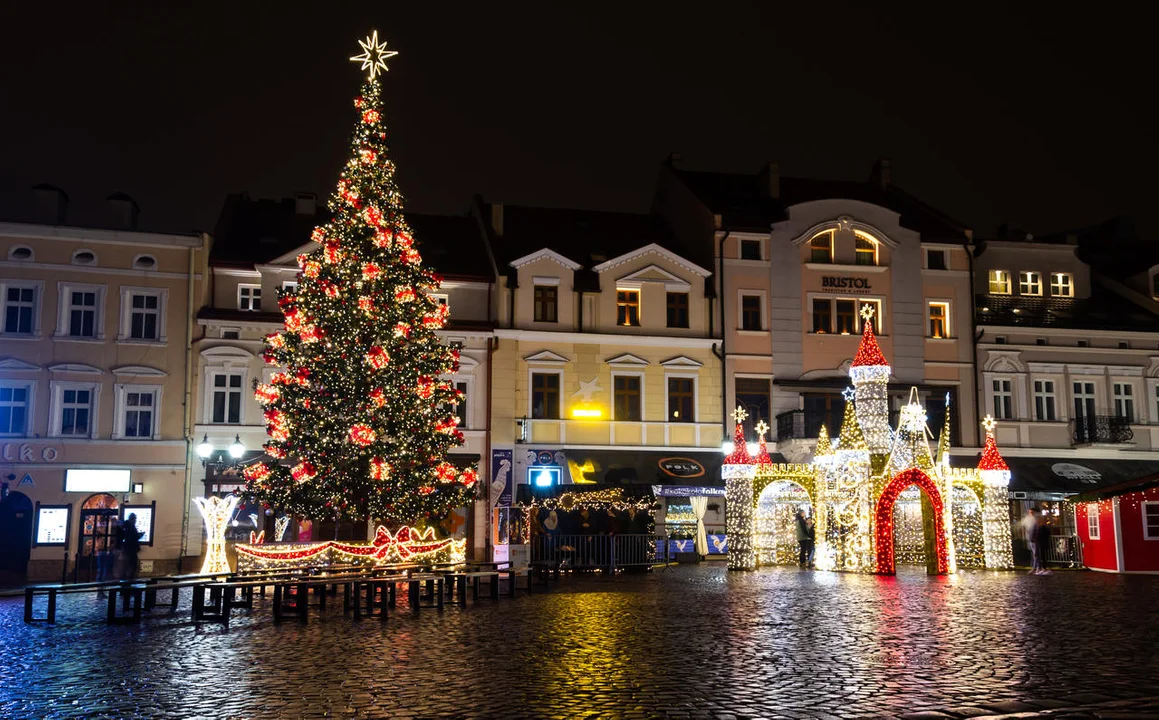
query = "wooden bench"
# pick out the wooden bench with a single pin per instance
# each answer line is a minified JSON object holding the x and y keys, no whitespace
{"x":460,"y":579}
{"x":298,"y":601}
{"x":51,"y":591}
{"x":435,"y":584}
{"x":127,"y":590}
{"x":380,"y":589}
{"x":222,"y":599}
{"x":511,"y":573}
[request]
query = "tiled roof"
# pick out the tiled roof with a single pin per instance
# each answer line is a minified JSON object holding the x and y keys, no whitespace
{"x":743,"y":202}
{"x":252,"y":232}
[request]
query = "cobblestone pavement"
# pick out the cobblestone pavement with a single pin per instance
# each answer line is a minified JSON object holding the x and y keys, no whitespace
{"x":693,"y":642}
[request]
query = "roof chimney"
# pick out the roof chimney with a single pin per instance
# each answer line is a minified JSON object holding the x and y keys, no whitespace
{"x":773,"y":180}
{"x":123,"y":211}
{"x":879,"y":176}
{"x":305,"y":203}
{"x":497,"y":218}
{"x":51,"y":204}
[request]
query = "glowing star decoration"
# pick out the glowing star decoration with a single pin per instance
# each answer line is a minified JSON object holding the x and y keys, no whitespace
{"x":216,"y":512}
{"x":374,"y":55}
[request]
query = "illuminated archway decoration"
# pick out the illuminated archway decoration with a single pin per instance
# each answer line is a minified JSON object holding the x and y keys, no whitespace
{"x":883,"y":519}
{"x":216,"y":512}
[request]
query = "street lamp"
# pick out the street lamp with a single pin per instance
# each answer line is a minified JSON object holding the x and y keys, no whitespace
{"x":211,"y":456}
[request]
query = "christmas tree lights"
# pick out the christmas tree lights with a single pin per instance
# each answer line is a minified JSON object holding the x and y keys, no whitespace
{"x":359,"y":412}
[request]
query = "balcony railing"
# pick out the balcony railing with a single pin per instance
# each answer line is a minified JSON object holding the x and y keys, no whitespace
{"x":1101,"y":429}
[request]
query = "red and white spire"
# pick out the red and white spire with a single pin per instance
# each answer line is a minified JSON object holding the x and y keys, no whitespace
{"x":740,"y":451}
{"x":992,"y":459}
{"x":869,"y":354}
{"x":870,"y":373}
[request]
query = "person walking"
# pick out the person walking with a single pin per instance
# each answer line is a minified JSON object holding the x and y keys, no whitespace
{"x":130,"y":546}
{"x":1043,"y":537}
{"x":802,"y":540}
{"x":811,"y":531}
{"x":1029,"y":525}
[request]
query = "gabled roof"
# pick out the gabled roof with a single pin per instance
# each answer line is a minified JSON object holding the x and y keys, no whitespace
{"x":743,"y":201}
{"x":652,"y":248}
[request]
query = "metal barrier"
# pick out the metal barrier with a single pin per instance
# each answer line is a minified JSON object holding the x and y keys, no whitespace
{"x":593,"y":552}
{"x":1064,"y":550}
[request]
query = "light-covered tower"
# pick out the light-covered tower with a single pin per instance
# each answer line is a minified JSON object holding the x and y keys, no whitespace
{"x":995,"y":520}
{"x":870,"y":373}
{"x":738,"y":472}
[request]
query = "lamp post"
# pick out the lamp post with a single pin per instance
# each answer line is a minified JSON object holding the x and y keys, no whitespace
{"x":215,"y":511}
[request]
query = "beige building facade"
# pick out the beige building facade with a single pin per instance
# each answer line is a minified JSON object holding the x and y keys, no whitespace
{"x":94,"y":375}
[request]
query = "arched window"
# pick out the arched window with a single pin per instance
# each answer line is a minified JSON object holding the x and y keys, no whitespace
{"x":866,"y":250}
{"x":821,"y":247}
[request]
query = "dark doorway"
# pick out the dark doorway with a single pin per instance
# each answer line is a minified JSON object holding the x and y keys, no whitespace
{"x":99,"y":517}
{"x":15,"y":537}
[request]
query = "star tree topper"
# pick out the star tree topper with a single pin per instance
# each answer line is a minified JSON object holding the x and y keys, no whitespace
{"x":762,"y":427}
{"x":739,"y":414}
{"x":989,"y":423}
{"x":374,"y":55}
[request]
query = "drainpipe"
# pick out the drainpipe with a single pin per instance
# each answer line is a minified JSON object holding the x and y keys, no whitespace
{"x":723,"y":354}
{"x":187,"y":428}
{"x":975,"y":333}
{"x":492,"y":346}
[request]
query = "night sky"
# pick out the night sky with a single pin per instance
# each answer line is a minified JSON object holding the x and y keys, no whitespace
{"x":1029,"y":115}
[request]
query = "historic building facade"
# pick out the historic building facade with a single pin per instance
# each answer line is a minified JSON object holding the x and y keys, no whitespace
{"x":94,"y":376}
{"x":797,"y":261}
{"x":604,"y":368}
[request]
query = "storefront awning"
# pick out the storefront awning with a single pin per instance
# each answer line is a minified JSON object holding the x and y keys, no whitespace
{"x":612,"y":468}
{"x":1074,"y":475}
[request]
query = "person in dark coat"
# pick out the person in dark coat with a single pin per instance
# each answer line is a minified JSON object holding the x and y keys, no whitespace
{"x":802,"y":540}
{"x":1042,"y":543}
{"x":130,"y":546}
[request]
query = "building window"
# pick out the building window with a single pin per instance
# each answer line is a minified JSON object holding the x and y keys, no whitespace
{"x":144,"y":262}
{"x":866,"y":251}
{"x":289,"y":286}
{"x":144,"y":316}
{"x":15,"y":404}
{"x":21,"y":311}
{"x":1061,"y":285}
{"x":227,"y":398}
{"x":821,"y":248}
{"x":74,"y":410}
{"x":820,"y":409}
{"x":20,"y":252}
{"x":753,"y":395}
{"x":84,"y":257}
{"x":249,"y":298}
{"x":1093,"y":521}
{"x":460,"y":408}
{"x":875,"y":320}
{"x":138,"y":412}
{"x":628,"y":307}
{"x":822,"y":315}
{"x":1124,"y":401}
{"x":846,"y":317}
{"x":1150,"y":520}
{"x":1040,"y":341}
{"x":936,"y":259}
{"x":999,"y":282}
{"x":750,"y":312}
{"x":677,"y":309}
{"x":1083,"y":343}
{"x":545,"y":396}
{"x":939,"y":320}
{"x":1029,"y":282}
{"x":546,"y":303}
{"x":1003,"y":399}
{"x":228,"y":333}
{"x":1044,"y":402}
{"x":750,"y":249}
{"x":626,"y":398}
{"x":82,"y":313}
{"x":681,"y":399}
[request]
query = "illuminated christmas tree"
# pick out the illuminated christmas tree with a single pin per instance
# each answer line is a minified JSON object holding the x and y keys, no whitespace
{"x":360,"y":415}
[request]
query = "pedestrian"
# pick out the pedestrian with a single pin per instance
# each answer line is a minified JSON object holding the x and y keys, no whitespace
{"x":130,"y":545}
{"x":812,"y":532}
{"x":1043,"y":543}
{"x":802,"y":540}
{"x":107,"y":553}
{"x":1029,"y":527}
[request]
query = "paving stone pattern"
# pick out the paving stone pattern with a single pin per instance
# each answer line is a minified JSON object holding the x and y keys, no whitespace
{"x":695,"y":642}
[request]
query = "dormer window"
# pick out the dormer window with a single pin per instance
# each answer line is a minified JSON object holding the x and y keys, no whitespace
{"x":1029,"y":283}
{"x":546,"y":300}
{"x":999,"y":282}
{"x":628,"y":308}
{"x":1061,"y":285}
{"x":821,"y":248}
{"x":866,"y":250}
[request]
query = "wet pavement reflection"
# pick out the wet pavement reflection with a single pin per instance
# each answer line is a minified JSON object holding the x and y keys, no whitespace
{"x":695,"y":641}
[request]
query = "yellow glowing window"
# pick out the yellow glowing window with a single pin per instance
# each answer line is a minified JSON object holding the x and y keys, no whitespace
{"x":866,"y":250}
{"x":939,"y":320}
{"x":1029,"y":282}
{"x":821,"y":248}
{"x":627,"y":307}
{"x":999,"y":282}
{"x":1061,"y":284}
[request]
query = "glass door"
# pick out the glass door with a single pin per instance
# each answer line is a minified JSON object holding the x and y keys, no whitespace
{"x":1084,"y":412}
{"x":99,"y":517}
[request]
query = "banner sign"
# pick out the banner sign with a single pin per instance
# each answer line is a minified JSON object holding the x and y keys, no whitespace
{"x":686,"y":491}
{"x":502,"y":477}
